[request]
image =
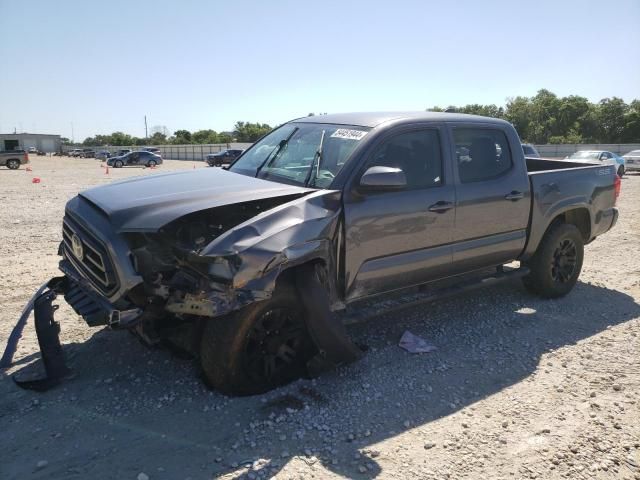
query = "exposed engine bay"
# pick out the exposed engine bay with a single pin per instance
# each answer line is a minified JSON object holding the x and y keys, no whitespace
{"x":177,"y":279}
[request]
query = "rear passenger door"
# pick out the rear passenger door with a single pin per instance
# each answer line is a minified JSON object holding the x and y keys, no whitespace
{"x":133,"y":158}
{"x":402,"y":237}
{"x":493,"y":197}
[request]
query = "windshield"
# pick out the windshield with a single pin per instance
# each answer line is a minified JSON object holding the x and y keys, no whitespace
{"x":309,"y":154}
{"x":585,"y":155}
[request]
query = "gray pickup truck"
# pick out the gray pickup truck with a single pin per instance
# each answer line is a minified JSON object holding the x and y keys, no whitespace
{"x":249,"y":267}
{"x":12,"y":159}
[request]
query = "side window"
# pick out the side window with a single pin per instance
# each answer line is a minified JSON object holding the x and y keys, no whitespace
{"x":481,"y":154}
{"x":416,"y":153}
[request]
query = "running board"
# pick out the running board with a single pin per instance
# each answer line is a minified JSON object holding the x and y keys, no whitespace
{"x":426,"y":295}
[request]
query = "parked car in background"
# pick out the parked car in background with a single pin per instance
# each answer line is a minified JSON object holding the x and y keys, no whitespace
{"x":220,"y":158}
{"x":12,"y":159}
{"x":530,"y":151}
{"x":88,"y":153}
{"x":103,"y":154}
{"x":152,"y":150}
{"x":138,"y":158}
{"x":32,"y":150}
{"x":632,"y":161}
{"x":76,"y":152}
{"x":603,"y":156}
{"x":121,"y":152}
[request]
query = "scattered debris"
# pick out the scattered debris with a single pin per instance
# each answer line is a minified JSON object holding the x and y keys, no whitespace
{"x":414,"y":344}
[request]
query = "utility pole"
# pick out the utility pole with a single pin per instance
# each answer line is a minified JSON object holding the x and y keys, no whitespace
{"x":146,"y":134}
{"x":72,"y":133}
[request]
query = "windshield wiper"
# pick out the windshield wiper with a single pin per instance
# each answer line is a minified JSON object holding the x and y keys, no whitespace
{"x":317,"y":158}
{"x":277,"y":151}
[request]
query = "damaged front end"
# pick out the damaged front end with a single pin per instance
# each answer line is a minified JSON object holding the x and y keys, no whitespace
{"x":165,"y":282}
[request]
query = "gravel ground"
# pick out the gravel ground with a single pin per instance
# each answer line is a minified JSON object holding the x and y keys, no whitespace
{"x":518,"y":387}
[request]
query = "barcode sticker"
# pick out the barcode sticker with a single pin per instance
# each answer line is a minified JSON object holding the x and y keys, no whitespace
{"x":348,"y":134}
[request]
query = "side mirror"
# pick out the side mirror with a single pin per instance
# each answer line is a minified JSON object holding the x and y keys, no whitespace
{"x":383,"y":178}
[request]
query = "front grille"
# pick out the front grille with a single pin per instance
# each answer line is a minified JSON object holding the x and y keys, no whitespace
{"x":94,"y":262}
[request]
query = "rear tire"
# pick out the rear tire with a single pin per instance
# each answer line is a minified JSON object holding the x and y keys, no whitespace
{"x":258,"y":348}
{"x":13,"y":164}
{"x":556,"y":265}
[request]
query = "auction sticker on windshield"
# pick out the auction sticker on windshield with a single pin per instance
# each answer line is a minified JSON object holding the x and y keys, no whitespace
{"x":348,"y":134}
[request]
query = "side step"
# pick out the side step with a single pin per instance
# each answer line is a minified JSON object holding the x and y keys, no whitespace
{"x":425,"y":294}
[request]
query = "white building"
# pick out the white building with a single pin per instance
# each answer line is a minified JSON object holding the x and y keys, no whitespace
{"x":24,"y":141}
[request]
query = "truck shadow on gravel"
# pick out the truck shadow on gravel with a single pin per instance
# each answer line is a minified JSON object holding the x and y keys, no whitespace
{"x":486,"y":341}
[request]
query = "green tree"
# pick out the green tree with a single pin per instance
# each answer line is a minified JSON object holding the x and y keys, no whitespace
{"x":250,"y":132}
{"x":205,"y":136}
{"x":631,"y":132}
{"x":518,"y":112}
{"x":120,"y":138}
{"x":611,"y":117}
{"x":224,"y":138}
{"x":158,"y":138}
{"x":181,"y":136}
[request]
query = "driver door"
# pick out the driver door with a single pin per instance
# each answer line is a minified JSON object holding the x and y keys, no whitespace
{"x":398,"y":238}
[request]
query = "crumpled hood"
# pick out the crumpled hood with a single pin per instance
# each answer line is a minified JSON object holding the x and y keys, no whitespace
{"x":150,"y":202}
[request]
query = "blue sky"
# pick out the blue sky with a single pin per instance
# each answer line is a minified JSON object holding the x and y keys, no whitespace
{"x":206,"y":64}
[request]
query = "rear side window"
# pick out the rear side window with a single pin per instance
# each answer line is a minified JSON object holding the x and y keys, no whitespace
{"x":416,"y":153}
{"x":482,"y":154}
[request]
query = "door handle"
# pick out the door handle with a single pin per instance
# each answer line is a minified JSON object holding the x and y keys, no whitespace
{"x":513,"y":196}
{"x":441,"y":206}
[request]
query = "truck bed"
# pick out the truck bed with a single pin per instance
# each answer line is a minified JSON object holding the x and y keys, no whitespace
{"x":535,"y":165}
{"x":559,"y":185}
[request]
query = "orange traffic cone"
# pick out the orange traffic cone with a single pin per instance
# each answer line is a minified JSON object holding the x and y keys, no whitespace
{"x":35,"y":180}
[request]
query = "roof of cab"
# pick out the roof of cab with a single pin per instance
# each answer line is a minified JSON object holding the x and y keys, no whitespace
{"x":373,"y":119}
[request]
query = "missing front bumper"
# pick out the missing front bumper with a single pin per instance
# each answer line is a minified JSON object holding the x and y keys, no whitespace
{"x":94,"y":308}
{"x":48,"y":332}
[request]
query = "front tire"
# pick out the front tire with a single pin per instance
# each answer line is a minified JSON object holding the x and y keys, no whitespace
{"x":258,"y":348}
{"x":556,"y":265}
{"x":118,"y":164}
{"x":152,"y":163}
{"x":621,"y":171}
{"x":13,"y":164}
